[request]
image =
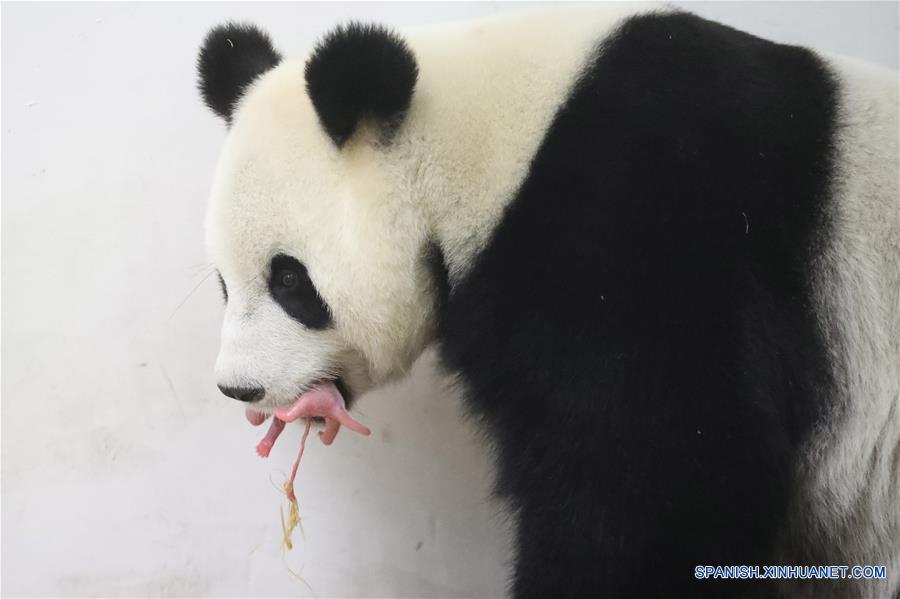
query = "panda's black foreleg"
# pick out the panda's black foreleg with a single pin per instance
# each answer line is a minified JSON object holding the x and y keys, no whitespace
{"x":633,"y":507}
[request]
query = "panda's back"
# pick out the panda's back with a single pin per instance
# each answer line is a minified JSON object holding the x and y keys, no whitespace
{"x":688,"y":306}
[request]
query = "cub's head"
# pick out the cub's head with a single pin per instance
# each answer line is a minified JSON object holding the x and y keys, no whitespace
{"x":323,"y":258}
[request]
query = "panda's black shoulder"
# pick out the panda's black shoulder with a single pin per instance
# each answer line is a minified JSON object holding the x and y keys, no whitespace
{"x":641,"y":319}
{"x":687,"y":152}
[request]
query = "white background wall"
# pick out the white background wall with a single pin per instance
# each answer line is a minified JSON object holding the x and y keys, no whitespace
{"x":124,"y":472}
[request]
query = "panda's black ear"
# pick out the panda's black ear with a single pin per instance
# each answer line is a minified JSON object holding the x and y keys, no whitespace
{"x":232,"y":56}
{"x":360,"y":71}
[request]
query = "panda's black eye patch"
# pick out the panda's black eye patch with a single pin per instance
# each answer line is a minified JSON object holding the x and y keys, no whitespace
{"x":291,"y":287}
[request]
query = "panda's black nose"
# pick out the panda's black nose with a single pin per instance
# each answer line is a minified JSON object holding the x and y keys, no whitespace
{"x":247,"y":394}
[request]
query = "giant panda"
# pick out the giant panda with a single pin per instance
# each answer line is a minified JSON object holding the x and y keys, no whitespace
{"x":660,"y":256}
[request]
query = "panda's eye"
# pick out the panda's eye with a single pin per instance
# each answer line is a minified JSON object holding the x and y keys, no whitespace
{"x":288,"y":279}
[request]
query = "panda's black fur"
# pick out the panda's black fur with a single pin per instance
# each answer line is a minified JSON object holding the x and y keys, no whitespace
{"x":360,"y":70}
{"x":639,"y":335}
{"x":231,"y":57}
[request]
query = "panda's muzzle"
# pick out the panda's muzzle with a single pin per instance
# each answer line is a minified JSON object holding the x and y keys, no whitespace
{"x":247,"y":394}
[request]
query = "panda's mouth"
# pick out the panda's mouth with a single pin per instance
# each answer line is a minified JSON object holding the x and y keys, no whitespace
{"x":322,"y":400}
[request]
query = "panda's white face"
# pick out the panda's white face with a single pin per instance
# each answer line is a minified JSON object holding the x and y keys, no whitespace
{"x":322,"y":270}
{"x":356,"y":162}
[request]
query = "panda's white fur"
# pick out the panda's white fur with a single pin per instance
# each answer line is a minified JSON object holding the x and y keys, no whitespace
{"x":848,"y":508}
{"x":360,"y":217}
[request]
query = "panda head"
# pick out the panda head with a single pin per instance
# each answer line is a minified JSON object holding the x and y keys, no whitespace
{"x":322,"y":259}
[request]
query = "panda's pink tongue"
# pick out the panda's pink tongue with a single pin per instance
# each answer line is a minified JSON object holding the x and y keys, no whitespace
{"x":255,"y":418}
{"x":322,"y":400}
